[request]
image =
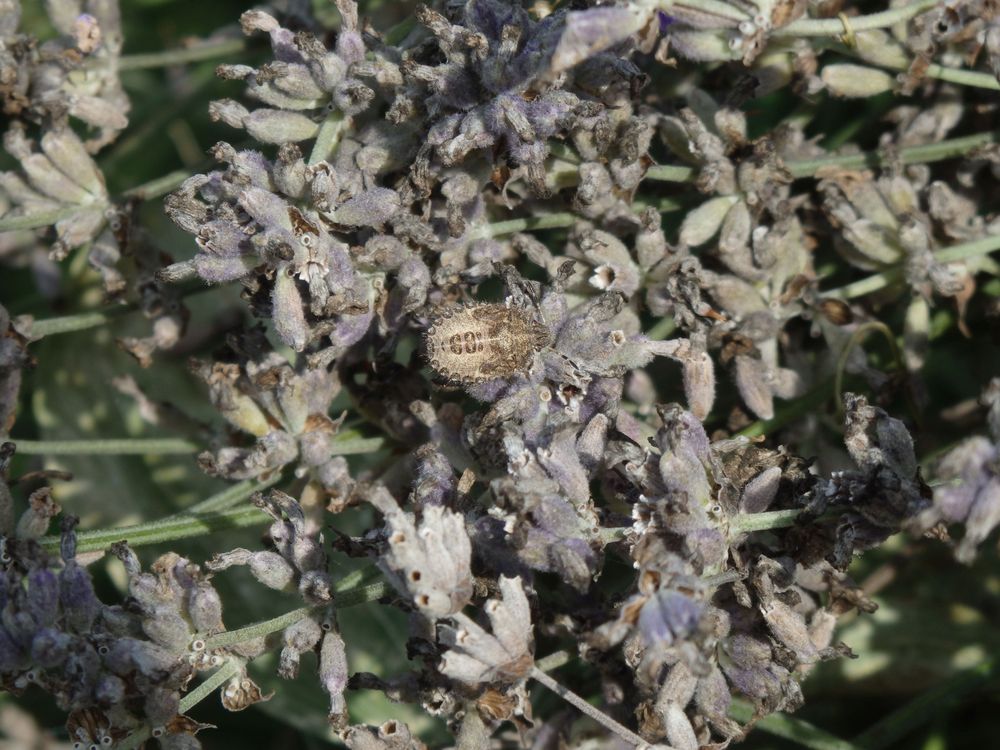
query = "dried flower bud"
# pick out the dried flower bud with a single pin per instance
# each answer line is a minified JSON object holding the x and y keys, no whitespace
{"x":297,"y":638}
{"x":701,"y":224}
{"x":669,"y":616}
{"x":429,"y":561}
{"x":752,"y":382}
{"x":34,"y":522}
{"x":760,"y":491}
{"x":371,"y":208}
{"x":392,"y":735}
{"x":856,"y":81}
{"x":588,"y":32}
{"x":241,"y":692}
{"x":475,"y":657}
{"x":333,"y":673}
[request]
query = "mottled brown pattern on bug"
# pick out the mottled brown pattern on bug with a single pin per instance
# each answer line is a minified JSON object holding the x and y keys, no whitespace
{"x":476,"y":343}
{"x":300,"y":224}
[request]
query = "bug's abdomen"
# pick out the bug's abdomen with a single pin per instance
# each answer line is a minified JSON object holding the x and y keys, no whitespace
{"x":480,"y":342}
{"x":465,"y":343}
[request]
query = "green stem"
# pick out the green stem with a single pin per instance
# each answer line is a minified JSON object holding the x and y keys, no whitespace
{"x":787,"y":727}
{"x":351,"y":443}
{"x":79,"y":322}
{"x":554,"y":660}
{"x":346,"y":444}
{"x":329,"y":136}
{"x":774,"y":519}
{"x":662,"y":328}
{"x":881,"y":280}
{"x":207,"y":51}
{"x":82,"y":321}
{"x":859,"y":335}
{"x":348,"y":593}
{"x":671,"y":173}
{"x":561,"y":219}
{"x":157,"y":187}
{"x":528,"y":223}
{"x":962,"y":77}
{"x":799,"y":169}
{"x":836,"y":27}
{"x":164,"y":530}
{"x":216,"y":680}
{"x":923,"y":154}
{"x":934,"y":70}
{"x":45,"y":218}
{"x":967,"y":250}
{"x":597,"y":715}
{"x":230,"y":496}
{"x":123,"y":447}
{"x":663,"y":204}
{"x":258,"y":629}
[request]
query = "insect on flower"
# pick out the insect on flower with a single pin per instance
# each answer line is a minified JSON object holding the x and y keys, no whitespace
{"x":479,"y":342}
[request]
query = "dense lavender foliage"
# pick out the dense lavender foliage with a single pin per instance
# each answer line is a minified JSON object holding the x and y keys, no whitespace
{"x":377,"y":205}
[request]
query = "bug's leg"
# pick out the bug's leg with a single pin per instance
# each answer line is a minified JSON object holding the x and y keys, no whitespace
{"x":523,"y":293}
{"x":606,"y":306}
{"x":563,"y":275}
{"x":443,"y":383}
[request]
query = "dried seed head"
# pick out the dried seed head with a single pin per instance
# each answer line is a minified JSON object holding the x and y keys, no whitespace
{"x":476,"y":343}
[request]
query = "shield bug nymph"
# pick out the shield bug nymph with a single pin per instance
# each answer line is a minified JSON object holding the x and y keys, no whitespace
{"x":479,"y":342}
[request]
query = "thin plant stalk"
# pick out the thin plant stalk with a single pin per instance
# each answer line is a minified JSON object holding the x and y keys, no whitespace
{"x":349,"y":593}
{"x":231,"y":496}
{"x":158,"y":186}
{"x":744,"y":523}
{"x":846,"y":26}
{"x":199,"y":53}
{"x":369,"y":593}
{"x":859,"y":335}
{"x":330,"y":134}
{"x":82,"y":321}
{"x":357,"y":587}
{"x":528,"y":223}
{"x":923,"y":154}
{"x":803,"y":168}
{"x":346,"y":444}
{"x":883,"y":279}
{"x":45,"y":218}
{"x":164,"y":530}
{"x":112,"y":447}
{"x":599,"y":716}
{"x":216,"y":680}
{"x":957,"y":76}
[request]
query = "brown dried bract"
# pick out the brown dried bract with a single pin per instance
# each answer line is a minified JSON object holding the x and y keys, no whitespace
{"x":476,"y":343}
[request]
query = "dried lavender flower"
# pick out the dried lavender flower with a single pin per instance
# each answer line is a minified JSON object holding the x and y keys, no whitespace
{"x":475,"y":656}
{"x":429,"y":561}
